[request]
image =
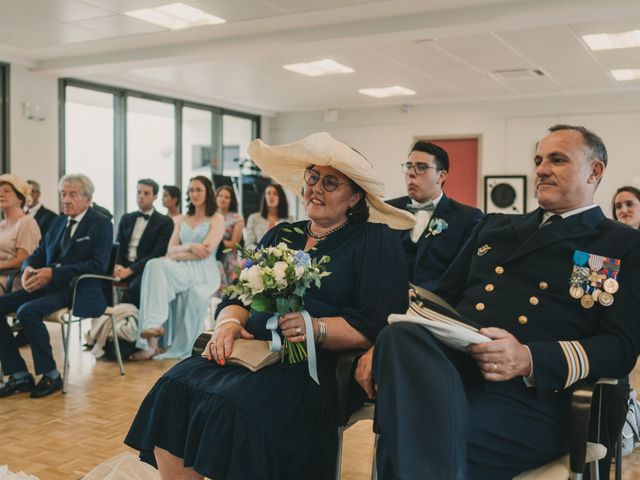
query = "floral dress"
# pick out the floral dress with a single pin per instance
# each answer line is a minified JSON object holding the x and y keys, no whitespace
{"x":228,"y":261}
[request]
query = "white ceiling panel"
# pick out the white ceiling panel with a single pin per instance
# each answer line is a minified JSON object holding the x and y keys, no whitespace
{"x":484,"y":52}
{"x":60,"y":34}
{"x":119,"y":25}
{"x":13,"y":19}
{"x":61,"y":10}
{"x":557,"y":51}
{"x":298,"y":6}
{"x":122,"y":6}
{"x":622,"y":58}
{"x":236,"y":10}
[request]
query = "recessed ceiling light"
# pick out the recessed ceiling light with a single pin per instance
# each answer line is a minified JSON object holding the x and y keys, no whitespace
{"x":175,"y":16}
{"x":612,"y":41}
{"x":317,"y":68}
{"x":394,"y":91}
{"x":626,"y":74}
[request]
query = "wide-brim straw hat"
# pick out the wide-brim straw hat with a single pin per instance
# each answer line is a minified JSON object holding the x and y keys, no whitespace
{"x":19,"y":184}
{"x":287,"y":163}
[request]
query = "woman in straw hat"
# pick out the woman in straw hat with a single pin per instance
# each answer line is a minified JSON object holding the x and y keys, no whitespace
{"x":204,"y":417}
{"x":19,"y":232}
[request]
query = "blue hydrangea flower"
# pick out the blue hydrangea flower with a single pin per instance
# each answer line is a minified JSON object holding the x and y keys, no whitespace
{"x":302,"y":259}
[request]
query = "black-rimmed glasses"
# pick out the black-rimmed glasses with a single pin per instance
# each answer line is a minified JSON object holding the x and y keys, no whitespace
{"x":419,"y":168}
{"x":329,"y":182}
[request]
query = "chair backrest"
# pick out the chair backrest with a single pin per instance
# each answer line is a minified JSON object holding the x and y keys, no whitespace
{"x":115,"y":248}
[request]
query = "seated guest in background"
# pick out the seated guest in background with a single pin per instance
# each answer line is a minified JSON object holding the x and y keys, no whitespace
{"x":42,"y":214}
{"x":542,"y":285}
{"x":78,"y":242}
{"x":177,"y":287}
{"x":274,"y":209}
{"x":142,"y":235}
{"x":626,"y":206}
{"x":171,"y":200}
{"x":102,"y":211}
{"x":19,"y":233}
{"x":277,"y":422}
{"x":442,"y":224}
{"x":233,"y":222}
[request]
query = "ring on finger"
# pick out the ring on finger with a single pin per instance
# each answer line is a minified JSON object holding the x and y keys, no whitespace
{"x":298,"y":330}
{"x":495,"y":367}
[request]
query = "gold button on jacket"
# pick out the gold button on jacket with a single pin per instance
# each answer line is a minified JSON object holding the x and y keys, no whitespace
{"x":534,"y":300}
{"x":522,"y":319}
{"x":489,"y":287}
{"x":499,"y":270}
{"x":480,"y":306}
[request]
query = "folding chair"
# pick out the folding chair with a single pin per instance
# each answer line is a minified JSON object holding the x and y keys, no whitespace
{"x":65,"y":317}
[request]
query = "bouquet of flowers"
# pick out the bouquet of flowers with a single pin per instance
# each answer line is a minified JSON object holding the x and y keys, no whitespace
{"x":274,"y":279}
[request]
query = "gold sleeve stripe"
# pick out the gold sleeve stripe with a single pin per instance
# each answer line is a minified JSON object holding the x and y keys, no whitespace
{"x":584,"y":359}
{"x":570,"y":364}
{"x":577,"y":361}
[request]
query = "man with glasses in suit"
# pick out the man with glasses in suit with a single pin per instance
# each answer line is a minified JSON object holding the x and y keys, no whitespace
{"x":78,"y":242}
{"x":142,"y":235}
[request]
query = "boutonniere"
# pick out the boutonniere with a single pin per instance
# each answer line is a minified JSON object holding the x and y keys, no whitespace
{"x":436,"y":227}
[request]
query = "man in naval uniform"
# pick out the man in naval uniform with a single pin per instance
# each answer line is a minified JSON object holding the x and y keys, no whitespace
{"x":556,"y":291}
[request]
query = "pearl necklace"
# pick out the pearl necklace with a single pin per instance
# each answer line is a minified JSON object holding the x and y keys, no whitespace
{"x":321,"y":237}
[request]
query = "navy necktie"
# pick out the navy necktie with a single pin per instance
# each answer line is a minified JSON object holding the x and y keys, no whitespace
{"x":66,"y":237}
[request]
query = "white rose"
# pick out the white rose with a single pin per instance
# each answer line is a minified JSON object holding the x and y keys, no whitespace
{"x":299,"y":272}
{"x":254,"y":279}
{"x":244,"y":275}
{"x":282,"y":246}
{"x":279,"y":273}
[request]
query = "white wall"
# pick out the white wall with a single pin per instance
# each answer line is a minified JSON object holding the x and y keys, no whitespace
{"x":33,"y":143}
{"x":508,"y":132}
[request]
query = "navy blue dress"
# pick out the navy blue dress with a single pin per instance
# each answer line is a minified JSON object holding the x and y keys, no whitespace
{"x":229,"y":423}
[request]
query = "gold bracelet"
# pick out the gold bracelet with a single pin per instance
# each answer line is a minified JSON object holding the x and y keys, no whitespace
{"x":322,"y":331}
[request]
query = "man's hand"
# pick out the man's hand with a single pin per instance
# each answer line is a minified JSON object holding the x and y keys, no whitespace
{"x":36,"y":279}
{"x":122,"y":272}
{"x":503,"y":358}
{"x":364,"y":374}
{"x":26,"y":274}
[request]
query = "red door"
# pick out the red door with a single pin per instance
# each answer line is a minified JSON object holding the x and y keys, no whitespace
{"x":462,"y":182}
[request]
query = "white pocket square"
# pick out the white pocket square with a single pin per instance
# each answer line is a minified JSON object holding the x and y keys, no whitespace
{"x":83,"y":239}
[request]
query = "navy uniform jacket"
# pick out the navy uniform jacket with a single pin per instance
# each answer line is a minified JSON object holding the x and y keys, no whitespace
{"x":88,"y":251}
{"x":43,"y":218}
{"x":514,"y":275}
{"x":430,"y":257}
{"x":153,"y":243}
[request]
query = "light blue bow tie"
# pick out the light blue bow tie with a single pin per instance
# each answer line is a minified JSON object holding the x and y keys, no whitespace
{"x":416,"y":207}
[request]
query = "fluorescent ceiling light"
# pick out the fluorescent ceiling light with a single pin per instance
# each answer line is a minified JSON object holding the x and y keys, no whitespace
{"x":175,"y":16}
{"x":626,"y":74}
{"x":320,"y":67}
{"x":394,"y":91}
{"x":612,"y":41}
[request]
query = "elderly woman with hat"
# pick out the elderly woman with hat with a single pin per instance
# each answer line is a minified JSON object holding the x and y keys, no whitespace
{"x":19,"y":232}
{"x":205,"y":417}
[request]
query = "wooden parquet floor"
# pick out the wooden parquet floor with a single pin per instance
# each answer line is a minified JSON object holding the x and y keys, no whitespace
{"x":62,"y":437}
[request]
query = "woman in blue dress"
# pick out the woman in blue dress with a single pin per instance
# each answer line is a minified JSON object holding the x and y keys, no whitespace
{"x":205,"y":417}
{"x":176,"y":288}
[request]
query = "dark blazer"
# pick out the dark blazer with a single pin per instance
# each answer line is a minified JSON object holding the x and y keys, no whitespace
{"x":430,"y":257}
{"x":43,"y":218}
{"x":101,"y":210}
{"x":530,"y":298}
{"x":88,"y":251}
{"x":153,"y":243}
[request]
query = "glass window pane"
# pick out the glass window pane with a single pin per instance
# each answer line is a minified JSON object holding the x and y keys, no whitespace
{"x":237,"y":133}
{"x":89,"y":140}
{"x":197,"y":145}
{"x":150,"y":146}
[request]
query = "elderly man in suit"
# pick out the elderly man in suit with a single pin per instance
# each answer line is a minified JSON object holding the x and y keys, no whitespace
{"x":42,"y":215}
{"x":78,"y":242}
{"x":555,"y":291}
{"x":442,"y":224}
{"x":142,"y":235}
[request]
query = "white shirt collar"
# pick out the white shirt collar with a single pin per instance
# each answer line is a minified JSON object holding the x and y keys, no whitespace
{"x":435,"y":202}
{"x":568,"y":214}
{"x":33,"y":210}
{"x":78,"y":218}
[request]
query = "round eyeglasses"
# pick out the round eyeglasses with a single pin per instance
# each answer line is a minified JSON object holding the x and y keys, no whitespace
{"x":418,"y":168}
{"x":329,"y":182}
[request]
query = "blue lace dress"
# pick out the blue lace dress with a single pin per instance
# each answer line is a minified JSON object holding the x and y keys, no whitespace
{"x":229,"y":423}
{"x":178,"y":293}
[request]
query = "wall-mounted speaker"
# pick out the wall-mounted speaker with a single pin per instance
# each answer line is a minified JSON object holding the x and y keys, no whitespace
{"x":505,"y":194}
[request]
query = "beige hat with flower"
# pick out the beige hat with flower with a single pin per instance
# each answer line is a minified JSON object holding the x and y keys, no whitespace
{"x":287,"y":163}
{"x":19,"y":184}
